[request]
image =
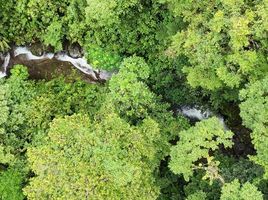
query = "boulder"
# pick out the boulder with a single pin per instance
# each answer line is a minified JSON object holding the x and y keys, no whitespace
{"x":75,"y":51}
{"x":37,"y":49}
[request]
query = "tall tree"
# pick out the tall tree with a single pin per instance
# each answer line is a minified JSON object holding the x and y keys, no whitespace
{"x":236,"y":191}
{"x":225,"y":41}
{"x":193,"y":150}
{"x":105,"y":159}
{"x":254,"y":112}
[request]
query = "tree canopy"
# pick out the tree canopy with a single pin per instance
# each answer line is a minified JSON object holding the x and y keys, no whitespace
{"x":176,"y":106}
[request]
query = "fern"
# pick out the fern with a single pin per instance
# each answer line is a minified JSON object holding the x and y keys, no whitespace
{"x":4,"y":46}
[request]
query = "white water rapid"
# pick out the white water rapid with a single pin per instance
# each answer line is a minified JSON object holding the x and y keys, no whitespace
{"x":196,"y":113}
{"x":79,"y":63}
{"x":6,"y":59}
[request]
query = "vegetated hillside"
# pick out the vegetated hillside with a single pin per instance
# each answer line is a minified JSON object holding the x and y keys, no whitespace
{"x":129,"y":137}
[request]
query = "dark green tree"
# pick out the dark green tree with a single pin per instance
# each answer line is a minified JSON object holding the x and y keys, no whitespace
{"x":193,"y":150}
{"x":254,"y":112}
{"x":236,"y":191}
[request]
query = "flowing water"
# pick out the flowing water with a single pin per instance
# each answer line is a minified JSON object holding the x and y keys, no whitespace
{"x":195,"y":113}
{"x":49,"y":64}
{"x":6,"y":59}
{"x":60,"y":63}
{"x":44,"y":66}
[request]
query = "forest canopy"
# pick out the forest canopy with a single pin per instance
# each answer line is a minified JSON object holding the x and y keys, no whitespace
{"x":182,"y":112}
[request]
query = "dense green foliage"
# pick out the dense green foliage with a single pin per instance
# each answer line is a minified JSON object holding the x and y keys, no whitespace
{"x":11,"y":184}
{"x":234,"y":191}
{"x":195,"y":144}
{"x":95,"y":160}
{"x":224,"y":41}
{"x":29,"y":107}
{"x":65,"y":138}
{"x":254,"y":111}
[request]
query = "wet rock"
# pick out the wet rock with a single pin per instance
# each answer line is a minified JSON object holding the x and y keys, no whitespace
{"x":104,"y":75}
{"x":37,"y":49}
{"x":2,"y":59}
{"x":2,"y":73}
{"x":75,"y":51}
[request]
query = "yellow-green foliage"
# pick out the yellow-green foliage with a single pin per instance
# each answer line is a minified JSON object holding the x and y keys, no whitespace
{"x":225,"y":41}
{"x":105,"y":159}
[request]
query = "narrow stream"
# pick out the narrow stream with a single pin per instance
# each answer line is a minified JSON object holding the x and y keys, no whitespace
{"x":44,"y":66}
{"x":41,"y":67}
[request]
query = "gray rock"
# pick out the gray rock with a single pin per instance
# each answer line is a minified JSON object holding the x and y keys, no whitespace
{"x":37,"y":49}
{"x":2,"y":58}
{"x":104,"y":75}
{"x":75,"y":51}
